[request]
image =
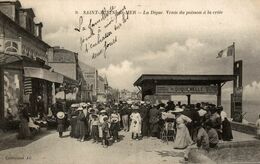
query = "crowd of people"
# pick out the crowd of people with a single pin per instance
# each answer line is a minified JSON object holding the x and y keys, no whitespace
{"x":201,"y":123}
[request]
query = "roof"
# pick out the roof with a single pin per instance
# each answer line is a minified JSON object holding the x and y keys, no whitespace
{"x":17,"y":3}
{"x":168,"y":79}
{"x":87,"y":68}
{"x":29,"y":11}
{"x":22,"y":30}
{"x":63,"y":56}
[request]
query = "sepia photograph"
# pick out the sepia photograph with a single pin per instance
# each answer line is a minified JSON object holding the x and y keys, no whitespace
{"x":129,"y":82}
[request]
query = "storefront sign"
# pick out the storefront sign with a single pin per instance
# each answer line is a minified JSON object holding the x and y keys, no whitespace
{"x":185,"y":90}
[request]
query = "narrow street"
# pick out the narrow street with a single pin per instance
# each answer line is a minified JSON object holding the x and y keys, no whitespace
{"x":53,"y":150}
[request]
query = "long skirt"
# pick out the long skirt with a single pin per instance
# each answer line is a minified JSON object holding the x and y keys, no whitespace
{"x":183,"y":138}
{"x":24,"y":131}
{"x":144,"y":128}
{"x":81,"y":128}
{"x":74,"y":133}
{"x":226,"y":131}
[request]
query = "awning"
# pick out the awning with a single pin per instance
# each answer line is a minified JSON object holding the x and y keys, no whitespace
{"x":70,"y":81}
{"x":8,"y":58}
{"x":43,"y":74}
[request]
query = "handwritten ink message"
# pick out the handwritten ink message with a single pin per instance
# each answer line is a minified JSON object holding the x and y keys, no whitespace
{"x":99,"y":34}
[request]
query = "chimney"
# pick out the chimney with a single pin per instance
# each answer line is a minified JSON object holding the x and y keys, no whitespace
{"x":38,"y":30}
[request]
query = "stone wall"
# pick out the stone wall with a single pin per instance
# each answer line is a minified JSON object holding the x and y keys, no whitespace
{"x":244,"y":128}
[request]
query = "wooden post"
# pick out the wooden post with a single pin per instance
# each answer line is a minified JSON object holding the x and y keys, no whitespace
{"x":188,"y":99}
{"x":219,"y":94}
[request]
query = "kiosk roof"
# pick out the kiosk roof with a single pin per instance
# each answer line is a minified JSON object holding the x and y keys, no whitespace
{"x":168,"y":79}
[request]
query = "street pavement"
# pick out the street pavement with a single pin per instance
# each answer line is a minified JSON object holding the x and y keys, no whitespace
{"x":50,"y":149}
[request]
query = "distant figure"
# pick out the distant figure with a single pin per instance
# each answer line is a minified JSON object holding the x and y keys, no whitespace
{"x":213,"y":135}
{"x":94,"y":127}
{"x":61,"y":122}
{"x":24,"y":130}
{"x":226,"y":130}
{"x":258,"y":127}
{"x":105,"y":132}
{"x":154,"y":116}
{"x":40,"y":106}
{"x":125,"y":115}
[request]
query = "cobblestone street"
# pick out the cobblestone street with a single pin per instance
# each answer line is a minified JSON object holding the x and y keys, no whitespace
{"x":51,"y":149}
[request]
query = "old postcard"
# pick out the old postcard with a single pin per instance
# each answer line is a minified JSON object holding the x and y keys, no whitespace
{"x":140,"y":81}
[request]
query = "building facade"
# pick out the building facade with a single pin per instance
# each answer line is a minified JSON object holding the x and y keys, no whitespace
{"x":66,"y":63}
{"x":91,"y":82}
{"x":24,"y":70}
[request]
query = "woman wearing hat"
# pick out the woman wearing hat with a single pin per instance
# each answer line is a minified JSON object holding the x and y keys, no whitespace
{"x":81,"y":124}
{"x":61,"y":122}
{"x":183,"y":138}
{"x":154,"y":118}
{"x":73,"y":113}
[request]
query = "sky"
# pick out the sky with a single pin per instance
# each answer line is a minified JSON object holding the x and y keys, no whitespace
{"x":171,"y":44}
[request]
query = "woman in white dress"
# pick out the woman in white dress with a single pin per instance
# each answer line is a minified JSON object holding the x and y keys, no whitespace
{"x":183,"y":138}
{"x":136,"y":123}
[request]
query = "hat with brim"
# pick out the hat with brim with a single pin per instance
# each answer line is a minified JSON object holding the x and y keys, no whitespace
{"x":103,"y":111}
{"x":94,"y":115}
{"x":60,"y":115}
{"x":80,"y":108}
{"x":134,"y":107}
{"x":74,"y":105}
{"x":178,"y":110}
{"x":161,"y":108}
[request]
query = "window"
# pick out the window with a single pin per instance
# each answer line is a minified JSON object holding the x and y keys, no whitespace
{"x":11,"y":47}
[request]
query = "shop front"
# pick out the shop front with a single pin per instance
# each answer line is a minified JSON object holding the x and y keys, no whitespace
{"x":23,"y":80}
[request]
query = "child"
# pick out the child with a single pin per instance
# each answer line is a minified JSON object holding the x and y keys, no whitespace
{"x":94,"y":128}
{"x":136,"y":123}
{"x":115,"y":127}
{"x":105,"y":132}
{"x":61,"y":122}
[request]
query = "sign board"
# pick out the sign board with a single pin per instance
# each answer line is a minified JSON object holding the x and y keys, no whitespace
{"x":185,"y":90}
